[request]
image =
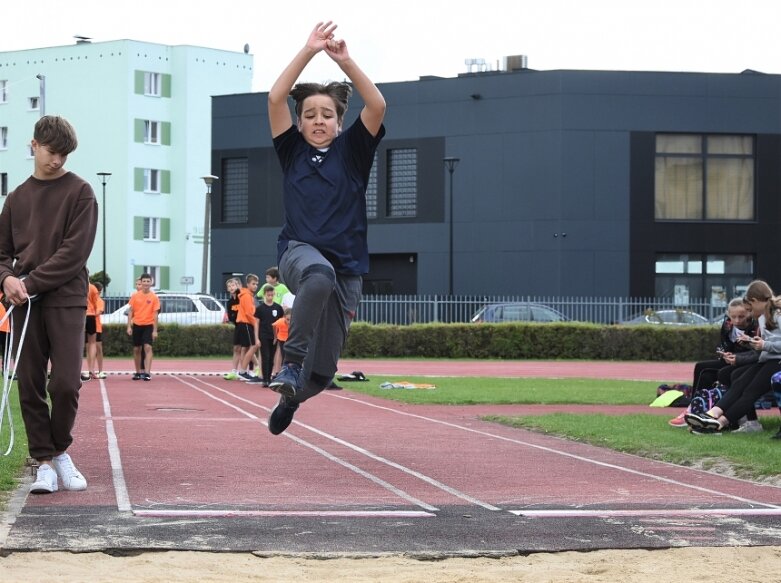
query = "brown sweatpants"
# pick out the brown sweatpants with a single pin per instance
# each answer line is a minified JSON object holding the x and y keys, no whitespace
{"x":54,"y":334}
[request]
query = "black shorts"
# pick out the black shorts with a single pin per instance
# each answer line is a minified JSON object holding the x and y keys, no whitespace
{"x":3,"y":338}
{"x":243,"y":335}
{"x":91,"y":326}
{"x":142,"y":334}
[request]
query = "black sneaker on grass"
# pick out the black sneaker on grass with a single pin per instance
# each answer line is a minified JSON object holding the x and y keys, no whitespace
{"x":282,"y":415}
{"x":288,"y":381}
{"x":704,"y":431}
{"x":703,"y":421}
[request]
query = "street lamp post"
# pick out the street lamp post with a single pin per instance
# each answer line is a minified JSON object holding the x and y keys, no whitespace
{"x":208,"y":179}
{"x":450,"y":164}
{"x":104,"y":178}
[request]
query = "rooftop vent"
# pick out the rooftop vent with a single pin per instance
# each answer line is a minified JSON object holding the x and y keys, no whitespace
{"x":81,"y":40}
{"x":516,"y":63}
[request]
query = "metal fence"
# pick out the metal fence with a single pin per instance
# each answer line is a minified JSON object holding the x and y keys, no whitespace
{"x":421,"y":309}
{"x":411,"y":309}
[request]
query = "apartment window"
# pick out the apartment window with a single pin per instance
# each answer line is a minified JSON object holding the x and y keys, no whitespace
{"x":151,"y":180}
{"x":151,"y":132}
{"x":402,"y":182}
{"x":33,"y":103}
{"x":30,"y":152}
{"x":718,"y":278}
{"x":704,"y":177}
{"x":3,"y":138}
{"x":151,"y":229}
{"x":152,"y":84}
{"x":154,"y":271}
{"x":235,"y":190}
{"x":3,"y":183}
{"x":3,"y":91}
{"x":371,"y":191}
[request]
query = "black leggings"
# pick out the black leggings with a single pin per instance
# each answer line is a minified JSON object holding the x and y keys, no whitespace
{"x":748,"y":386}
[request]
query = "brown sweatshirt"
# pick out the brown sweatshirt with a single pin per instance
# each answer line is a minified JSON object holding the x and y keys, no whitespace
{"x":48,"y":227}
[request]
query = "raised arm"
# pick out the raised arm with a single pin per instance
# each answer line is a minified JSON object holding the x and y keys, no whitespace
{"x":373,"y":111}
{"x":278,"y":110}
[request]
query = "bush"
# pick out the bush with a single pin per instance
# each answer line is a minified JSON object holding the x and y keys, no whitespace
{"x":570,"y":340}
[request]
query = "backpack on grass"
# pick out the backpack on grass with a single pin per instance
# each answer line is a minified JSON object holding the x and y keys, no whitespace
{"x":704,"y":400}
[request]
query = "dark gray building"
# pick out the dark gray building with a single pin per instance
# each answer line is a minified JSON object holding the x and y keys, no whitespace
{"x":578,"y":183}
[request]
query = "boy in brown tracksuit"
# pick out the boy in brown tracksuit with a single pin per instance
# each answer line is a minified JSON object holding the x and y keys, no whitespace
{"x":48,"y":225}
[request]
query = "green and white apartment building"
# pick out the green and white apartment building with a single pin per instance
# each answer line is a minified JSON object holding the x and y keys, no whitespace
{"x":142,"y":113}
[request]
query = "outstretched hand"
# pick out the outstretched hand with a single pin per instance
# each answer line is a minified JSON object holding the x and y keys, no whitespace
{"x":321,"y":35}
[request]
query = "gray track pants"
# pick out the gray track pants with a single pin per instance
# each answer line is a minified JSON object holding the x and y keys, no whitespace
{"x":324,"y":308}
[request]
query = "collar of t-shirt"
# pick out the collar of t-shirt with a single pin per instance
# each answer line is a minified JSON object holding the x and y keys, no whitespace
{"x":318,"y":155}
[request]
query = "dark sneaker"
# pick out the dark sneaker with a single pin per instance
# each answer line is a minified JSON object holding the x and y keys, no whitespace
{"x":245,"y":376}
{"x":282,"y":415}
{"x":136,"y":376}
{"x":288,"y":381}
{"x":146,"y":376}
{"x":703,"y":421}
{"x":85,"y":376}
{"x":254,"y":381}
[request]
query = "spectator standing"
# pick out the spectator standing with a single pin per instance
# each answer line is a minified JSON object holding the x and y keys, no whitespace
{"x":266,"y":314}
{"x":142,"y":327}
{"x":47,"y":229}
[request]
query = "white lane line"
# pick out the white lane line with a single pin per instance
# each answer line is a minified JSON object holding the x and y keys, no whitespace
{"x":283,"y":513}
{"x":682,"y":512}
{"x":565,"y":454}
{"x":117,"y":475}
{"x":428,"y":479}
{"x":380,"y":482}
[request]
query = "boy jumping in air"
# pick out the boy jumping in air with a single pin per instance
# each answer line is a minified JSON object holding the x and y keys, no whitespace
{"x":322,"y":248}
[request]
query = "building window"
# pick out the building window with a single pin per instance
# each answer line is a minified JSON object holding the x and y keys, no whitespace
{"x":402,"y":182}
{"x":3,"y":91}
{"x":151,"y":180}
{"x":152,"y":84}
{"x":235,"y":190}
{"x":3,"y":138}
{"x":151,"y":132}
{"x":717,"y":278}
{"x":704,"y":177}
{"x":154,"y":271}
{"x":371,"y":191}
{"x":33,"y":103}
{"x":30,"y":151}
{"x":151,"y":229}
{"x":3,"y":183}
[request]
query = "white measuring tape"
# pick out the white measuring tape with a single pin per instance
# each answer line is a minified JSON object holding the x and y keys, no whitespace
{"x":8,"y":371}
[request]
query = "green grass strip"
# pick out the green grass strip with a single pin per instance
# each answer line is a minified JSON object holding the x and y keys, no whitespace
{"x":11,"y":466}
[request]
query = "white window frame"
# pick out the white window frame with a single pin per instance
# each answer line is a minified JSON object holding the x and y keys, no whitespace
{"x":154,"y":271}
{"x":151,"y":229}
{"x":34,"y":103}
{"x":152,"y":131}
{"x":153,"y":84}
{"x":3,"y":91}
{"x":4,"y":138}
{"x":152,"y":180}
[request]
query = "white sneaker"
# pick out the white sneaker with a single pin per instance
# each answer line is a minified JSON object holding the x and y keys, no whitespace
{"x":69,"y":474}
{"x":45,"y":481}
{"x":750,"y":427}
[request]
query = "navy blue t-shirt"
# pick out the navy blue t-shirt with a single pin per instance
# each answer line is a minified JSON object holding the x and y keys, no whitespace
{"x":325,"y":195}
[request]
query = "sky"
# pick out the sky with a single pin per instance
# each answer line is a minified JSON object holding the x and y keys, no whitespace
{"x":402,"y":40}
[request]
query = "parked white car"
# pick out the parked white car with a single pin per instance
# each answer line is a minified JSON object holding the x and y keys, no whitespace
{"x":178,"y":308}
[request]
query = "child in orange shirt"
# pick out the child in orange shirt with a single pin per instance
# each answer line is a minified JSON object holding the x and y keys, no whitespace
{"x":142,"y":326}
{"x":281,"y":330}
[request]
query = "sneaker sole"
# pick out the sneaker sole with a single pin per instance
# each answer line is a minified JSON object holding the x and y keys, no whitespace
{"x":694,"y":421}
{"x":283,"y":389}
{"x":42,"y":490}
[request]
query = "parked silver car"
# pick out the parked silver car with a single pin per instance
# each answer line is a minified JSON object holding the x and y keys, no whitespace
{"x":669,"y":317}
{"x":518,"y":312}
{"x":178,"y":308}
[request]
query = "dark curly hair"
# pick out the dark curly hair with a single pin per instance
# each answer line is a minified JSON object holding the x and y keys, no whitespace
{"x":339,"y":92}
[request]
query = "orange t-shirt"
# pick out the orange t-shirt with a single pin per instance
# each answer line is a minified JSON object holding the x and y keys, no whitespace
{"x":92,"y":300}
{"x":6,"y":327}
{"x":101,"y":307}
{"x":282,"y":329}
{"x":246,"y":312}
{"x":144,"y":307}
